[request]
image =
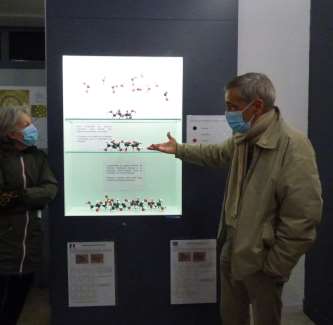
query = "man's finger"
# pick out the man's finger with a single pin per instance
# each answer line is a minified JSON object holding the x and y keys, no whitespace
{"x":152,"y":147}
{"x":170,"y":137}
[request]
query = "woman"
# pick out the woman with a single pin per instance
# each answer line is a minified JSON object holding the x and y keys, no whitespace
{"x":27,"y":185}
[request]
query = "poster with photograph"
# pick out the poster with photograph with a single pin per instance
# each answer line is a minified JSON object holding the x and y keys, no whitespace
{"x":193,"y":271}
{"x":91,"y":274}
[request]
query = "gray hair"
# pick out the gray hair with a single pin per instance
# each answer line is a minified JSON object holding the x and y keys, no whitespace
{"x":9,"y":116}
{"x":252,"y":85}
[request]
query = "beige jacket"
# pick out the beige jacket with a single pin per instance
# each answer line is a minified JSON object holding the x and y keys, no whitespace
{"x":280,"y":203}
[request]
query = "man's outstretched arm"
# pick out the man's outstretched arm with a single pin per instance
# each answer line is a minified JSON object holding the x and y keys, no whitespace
{"x":211,"y":155}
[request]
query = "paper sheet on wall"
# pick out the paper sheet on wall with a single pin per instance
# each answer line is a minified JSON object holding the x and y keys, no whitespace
{"x":193,"y":271}
{"x":34,"y":98}
{"x":207,"y":129}
{"x":91,"y":274}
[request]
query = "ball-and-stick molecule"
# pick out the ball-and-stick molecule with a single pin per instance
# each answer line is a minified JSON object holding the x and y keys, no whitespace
{"x":137,"y":204}
{"x":122,"y":146}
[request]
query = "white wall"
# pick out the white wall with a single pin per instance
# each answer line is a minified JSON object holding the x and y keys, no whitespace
{"x":22,"y":77}
{"x":274,"y":38}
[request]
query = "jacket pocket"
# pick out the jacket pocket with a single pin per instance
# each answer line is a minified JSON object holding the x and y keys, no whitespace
{"x":268,"y":235}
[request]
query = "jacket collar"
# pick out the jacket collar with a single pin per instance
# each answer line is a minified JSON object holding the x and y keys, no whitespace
{"x":270,"y":138}
{"x":8,"y":146}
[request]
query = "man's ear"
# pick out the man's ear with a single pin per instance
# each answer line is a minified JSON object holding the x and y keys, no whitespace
{"x":259,"y":106}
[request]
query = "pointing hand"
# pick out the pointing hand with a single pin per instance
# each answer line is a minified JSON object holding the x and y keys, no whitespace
{"x":167,"y":147}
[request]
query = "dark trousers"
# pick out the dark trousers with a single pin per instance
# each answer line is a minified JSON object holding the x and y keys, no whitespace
{"x":13,"y":292}
{"x":259,"y":290}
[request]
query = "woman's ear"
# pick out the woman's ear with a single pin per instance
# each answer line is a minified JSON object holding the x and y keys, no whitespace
{"x":11,"y":135}
{"x":14,"y":135}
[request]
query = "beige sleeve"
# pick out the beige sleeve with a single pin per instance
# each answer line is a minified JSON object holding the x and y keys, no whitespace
{"x":211,"y":155}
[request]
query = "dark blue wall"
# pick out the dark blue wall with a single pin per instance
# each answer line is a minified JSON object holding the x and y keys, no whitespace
{"x":205,"y":34}
{"x":318,"y":303}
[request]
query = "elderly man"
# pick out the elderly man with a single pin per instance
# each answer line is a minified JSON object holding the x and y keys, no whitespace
{"x":272,"y":200}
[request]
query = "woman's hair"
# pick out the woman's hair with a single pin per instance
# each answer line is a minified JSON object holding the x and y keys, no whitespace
{"x":9,"y":116}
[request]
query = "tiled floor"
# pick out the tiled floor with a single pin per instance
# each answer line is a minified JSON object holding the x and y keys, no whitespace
{"x":36,"y":311}
{"x":296,"y":318}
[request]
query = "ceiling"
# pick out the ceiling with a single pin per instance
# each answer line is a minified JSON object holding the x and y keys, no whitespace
{"x":21,"y":12}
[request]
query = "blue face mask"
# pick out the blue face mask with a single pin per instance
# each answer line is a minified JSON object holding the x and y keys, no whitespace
{"x":30,"y":135}
{"x":236,"y":120}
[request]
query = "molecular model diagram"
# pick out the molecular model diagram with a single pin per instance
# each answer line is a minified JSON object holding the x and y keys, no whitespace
{"x":135,"y":85}
{"x":122,"y":146}
{"x":128,"y":115}
{"x":138,"y":204}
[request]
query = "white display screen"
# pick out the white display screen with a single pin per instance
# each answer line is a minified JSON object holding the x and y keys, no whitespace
{"x":113,"y":109}
{"x":95,"y":86}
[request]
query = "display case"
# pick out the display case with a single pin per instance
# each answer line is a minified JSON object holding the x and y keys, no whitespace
{"x":113,"y":109}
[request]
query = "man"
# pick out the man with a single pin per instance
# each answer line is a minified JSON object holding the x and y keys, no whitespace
{"x":272,"y":200}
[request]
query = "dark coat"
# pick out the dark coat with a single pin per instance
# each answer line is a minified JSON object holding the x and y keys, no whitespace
{"x":27,"y":185}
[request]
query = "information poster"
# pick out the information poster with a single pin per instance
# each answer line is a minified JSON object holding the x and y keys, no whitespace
{"x":114,"y":108}
{"x":91,"y":274}
{"x":207,"y":129}
{"x":193,"y":271}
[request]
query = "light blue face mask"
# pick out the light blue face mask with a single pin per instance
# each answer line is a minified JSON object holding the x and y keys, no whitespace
{"x":236,"y":120}
{"x":30,"y":135}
